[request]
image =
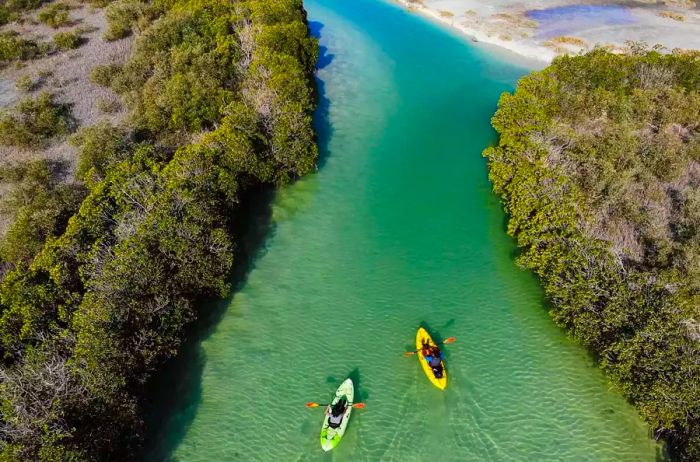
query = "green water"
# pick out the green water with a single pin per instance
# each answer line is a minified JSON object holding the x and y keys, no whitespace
{"x":398,"y":228}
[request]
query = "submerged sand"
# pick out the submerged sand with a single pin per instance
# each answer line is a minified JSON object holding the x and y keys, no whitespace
{"x":543,"y":29}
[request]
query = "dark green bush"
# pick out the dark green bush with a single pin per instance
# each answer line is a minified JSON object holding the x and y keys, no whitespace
{"x":5,"y":15}
{"x":34,"y":121}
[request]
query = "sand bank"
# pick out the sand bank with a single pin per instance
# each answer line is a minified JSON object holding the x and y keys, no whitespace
{"x":543,"y":29}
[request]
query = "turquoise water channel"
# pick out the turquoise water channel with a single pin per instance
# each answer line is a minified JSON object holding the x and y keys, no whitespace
{"x":399,"y":227}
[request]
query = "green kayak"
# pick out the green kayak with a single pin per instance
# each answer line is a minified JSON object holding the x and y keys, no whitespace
{"x":330,"y":437}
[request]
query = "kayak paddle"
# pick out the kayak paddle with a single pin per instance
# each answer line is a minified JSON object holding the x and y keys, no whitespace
{"x":356,"y":405}
{"x":447,"y":340}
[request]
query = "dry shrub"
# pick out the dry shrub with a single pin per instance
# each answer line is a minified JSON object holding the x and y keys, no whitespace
{"x":681,"y":3}
{"x":108,"y":106}
{"x":567,"y":40}
{"x":672,"y":15}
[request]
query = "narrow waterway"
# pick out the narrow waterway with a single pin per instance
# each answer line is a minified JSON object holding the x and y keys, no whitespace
{"x":398,"y":228}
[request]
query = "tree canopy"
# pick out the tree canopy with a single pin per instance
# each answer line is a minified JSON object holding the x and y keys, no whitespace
{"x":220,"y":96}
{"x":598,"y":165}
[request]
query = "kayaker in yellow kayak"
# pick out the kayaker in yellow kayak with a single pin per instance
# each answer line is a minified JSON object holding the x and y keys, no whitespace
{"x":434,"y":357}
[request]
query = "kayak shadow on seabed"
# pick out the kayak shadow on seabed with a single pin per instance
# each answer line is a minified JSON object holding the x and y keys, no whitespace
{"x":360,"y":395}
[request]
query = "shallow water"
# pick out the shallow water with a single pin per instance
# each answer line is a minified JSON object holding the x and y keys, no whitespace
{"x":398,"y":228}
{"x":570,"y":19}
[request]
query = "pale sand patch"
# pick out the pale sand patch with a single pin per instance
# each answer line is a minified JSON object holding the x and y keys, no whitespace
{"x":67,"y":75}
{"x":505,"y":23}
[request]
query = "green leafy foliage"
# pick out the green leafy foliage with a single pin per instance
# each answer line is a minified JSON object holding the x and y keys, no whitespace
{"x":597,"y":165}
{"x":34,"y":121}
{"x":218,"y":105}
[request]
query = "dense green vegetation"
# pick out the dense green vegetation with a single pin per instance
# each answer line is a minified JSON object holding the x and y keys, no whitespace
{"x":41,"y":204}
{"x":220,"y":96}
{"x":598,"y":165}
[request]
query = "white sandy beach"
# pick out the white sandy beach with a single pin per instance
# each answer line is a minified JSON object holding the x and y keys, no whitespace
{"x":543,"y":29}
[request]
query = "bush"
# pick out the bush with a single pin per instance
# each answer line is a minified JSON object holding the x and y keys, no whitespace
{"x":41,"y":206}
{"x":108,"y":106}
{"x":67,"y":40}
{"x":25,"y":83}
{"x":99,"y":3}
{"x":606,"y":211}
{"x":6,"y":15}
{"x":12,"y":47}
{"x":104,"y":75}
{"x":55,"y":15}
{"x":35,"y":121}
{"x":121,"y":17}
{"x":24,"y":5}
{"x":100,"y":146}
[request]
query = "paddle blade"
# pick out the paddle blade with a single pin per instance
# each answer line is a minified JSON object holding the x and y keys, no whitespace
{"x":450,"y":339}
{"x":312,"y":405}
{"x":359,"y":405}
{"x":409,"y":353}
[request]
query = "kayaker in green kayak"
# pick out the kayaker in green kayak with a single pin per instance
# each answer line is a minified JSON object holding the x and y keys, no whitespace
{"x":335,"y":416}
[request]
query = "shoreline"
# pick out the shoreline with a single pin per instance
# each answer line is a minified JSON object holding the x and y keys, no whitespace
{"x":478,"y":37}
{"x":551,"y":28}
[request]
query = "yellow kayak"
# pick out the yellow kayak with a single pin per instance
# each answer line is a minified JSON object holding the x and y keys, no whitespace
{"x":422,"y":335}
